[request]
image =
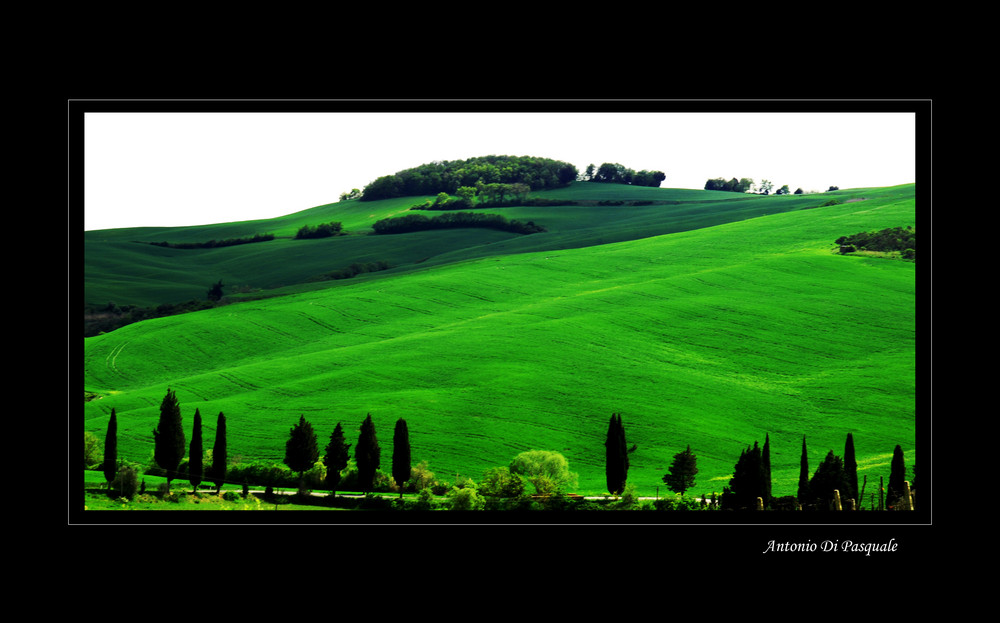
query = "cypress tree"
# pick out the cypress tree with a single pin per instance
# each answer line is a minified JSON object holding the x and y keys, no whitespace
{"x":367,"y":454}
{"x":196,"y":454}
{"x":301,"y":452}
{"x":829,"y":476}
{"x":747,"y":483}
{"x":616,"y":456}
{"x":401,"y":454}
{"x":168,"y":437}
{"x":803,"y":494}
{"x":851,"y":470}
{"x":765,"y":459}
{"x":111,"y":449}
{"x":219,"y":457}
{"x":335,"y":460}
{"x":897,"y":479}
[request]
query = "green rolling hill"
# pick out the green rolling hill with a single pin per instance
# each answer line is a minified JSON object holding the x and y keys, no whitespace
{"x":705,"y":319}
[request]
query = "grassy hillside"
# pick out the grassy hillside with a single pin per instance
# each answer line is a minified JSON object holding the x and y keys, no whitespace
{"x":701,"y":332}
{"x":120,"y":266}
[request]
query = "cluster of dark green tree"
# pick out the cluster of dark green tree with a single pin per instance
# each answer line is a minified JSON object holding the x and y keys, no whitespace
{"x":355,"y":269}
{"x":898,"y":239}
{"x":323,"y":230}
{"x":834,"y":484}
{"x":169,"y":450}
{"x":105,"y":318}
{"x":747,"y":185}
{"x":614,"y":173}
{"x":448,"y":176}
{"x":215,"y":244}
{"x":452,"y":220}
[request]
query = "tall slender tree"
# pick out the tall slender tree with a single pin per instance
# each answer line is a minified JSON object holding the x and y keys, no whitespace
{"x":851,"y":470}
{"x":897,"y":479}
{"x":680,"y":478}
{"x":765,"y":459}
{"x":196,"y":466}
{"x":168,"y":436}
{"x":111,"y":449}
{"x":616,"y":456}
{"x":219,"y":457}
{"x":336,"y":457}
{"x":367,"y":454}
{"x":803,"y":495}
{"x":401,"y":455}
{"x":301,"y":451}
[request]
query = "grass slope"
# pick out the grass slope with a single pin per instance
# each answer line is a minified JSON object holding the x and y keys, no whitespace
{"x":710,"y":337}
{"x":118,"y":266}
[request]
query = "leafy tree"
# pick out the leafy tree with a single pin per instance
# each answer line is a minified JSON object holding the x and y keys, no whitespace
{"x":500,"y":482}
{"x":548,"y":471}
{"x":215,"y":292}
{"x":168,"y":437}
{"x":680,"y":478}
{"x":301,"y":452}
{"x":91,"y":450}
{"x":219,"y":456}
{"x":765,"y":187}
{"x":336,"y":458}
{"x":747,"y":483}
{"x":196,"y":465}
{"x":401,"y":454}
{"x":897,"y":479}
{"x":829,"y":476}
{"x":367,"y":454}
{"x":111,"y":449}
{"x":803,"y":494}
{"x":851,"y":470}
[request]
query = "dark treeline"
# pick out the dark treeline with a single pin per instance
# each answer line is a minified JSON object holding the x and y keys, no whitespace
{"x":448,"y":176}
{"x":833,"y":486}
{"x":356,"y":268}
{"x":105,"y":318}
{"x":885,"y":240}
{"x":451,"y":220}
{"x":324,"y":230}
{"x":214,"y":244}
{"x":614,"y":173}
{"x":734,"y":185}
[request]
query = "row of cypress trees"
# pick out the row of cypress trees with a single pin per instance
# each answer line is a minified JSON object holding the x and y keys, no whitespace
{"x":751,"y":475}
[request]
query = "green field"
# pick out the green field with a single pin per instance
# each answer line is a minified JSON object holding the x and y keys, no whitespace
{"x":705,"y":319}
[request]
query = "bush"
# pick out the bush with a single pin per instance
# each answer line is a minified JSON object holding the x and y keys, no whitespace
{"x":500,"y":482}
{"x":465,"y":499}
{"x":547,"y":471}
{"x":126,"y":482}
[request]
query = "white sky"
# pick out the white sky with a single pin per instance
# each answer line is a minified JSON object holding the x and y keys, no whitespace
{"x":181,"y":168}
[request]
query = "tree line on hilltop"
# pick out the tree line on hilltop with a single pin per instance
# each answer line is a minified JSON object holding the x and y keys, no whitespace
{"x":448,"y":176}
{"x":533,"y":479}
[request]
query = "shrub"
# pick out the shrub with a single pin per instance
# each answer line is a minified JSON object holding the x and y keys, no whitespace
{"x":500,"y":482}
{"x":126,"y":482}
{"x":465,"y":499}
{"x":547,"y":471}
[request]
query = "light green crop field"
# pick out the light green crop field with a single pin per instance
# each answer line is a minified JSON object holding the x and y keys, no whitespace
{"x":704,"y":323}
